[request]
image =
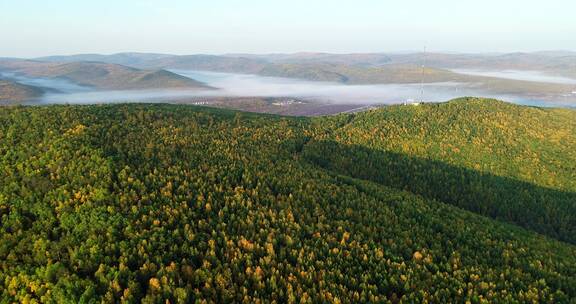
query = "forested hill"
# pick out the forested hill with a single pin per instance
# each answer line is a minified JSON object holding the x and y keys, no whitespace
{"x":471,"y":200}
{"x":509,"y":162}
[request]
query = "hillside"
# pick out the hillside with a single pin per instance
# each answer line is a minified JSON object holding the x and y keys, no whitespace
{"x":515,"y":164}
{"x":13,"y":92}
{"x":103,"y":76}
{"x":127,"y":59}
{"x":208,"y":63}
{"x":163,"y":202}
{"x":361,"y":59}
{"x":553,"y":62}
{"x":238,"y":64}
{"x":361,"y":75}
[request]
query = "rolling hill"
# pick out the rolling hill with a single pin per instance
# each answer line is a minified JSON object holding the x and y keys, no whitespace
{"x":104,"y":76}
{"x":14,"y":92}
{"x":376,"y":68}
{"x":367,"y":59}
{"x":127,"y":59}
{"x":236,"y":64}
{"x":209,"y":63}
{"x":360,"y":75}
{"x":511,"y":163}
{"x":553,"y":62}
{"x":466,"y":201}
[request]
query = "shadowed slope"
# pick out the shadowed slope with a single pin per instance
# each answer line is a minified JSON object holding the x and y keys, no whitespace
{"x":547,"y":211}
{"x":509,"y":162}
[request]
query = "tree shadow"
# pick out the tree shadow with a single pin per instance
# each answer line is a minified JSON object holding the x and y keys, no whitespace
{"x":543,"y":210}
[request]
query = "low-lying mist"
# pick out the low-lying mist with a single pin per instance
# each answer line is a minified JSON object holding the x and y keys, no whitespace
{"x":254,"y":85}
{"x":50,"y":84}
{"x":242,"y":85}
{"x":536,"y":76}
{"x":154,"y":95}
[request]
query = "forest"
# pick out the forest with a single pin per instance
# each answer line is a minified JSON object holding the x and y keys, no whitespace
{"x":469,"y":201}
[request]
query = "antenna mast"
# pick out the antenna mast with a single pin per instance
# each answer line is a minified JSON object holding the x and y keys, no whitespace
{"x":423,"y":72}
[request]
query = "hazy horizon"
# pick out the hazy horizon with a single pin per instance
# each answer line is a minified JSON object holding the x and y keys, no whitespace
{"x":294,"y":53}
{"x":32,"y":29}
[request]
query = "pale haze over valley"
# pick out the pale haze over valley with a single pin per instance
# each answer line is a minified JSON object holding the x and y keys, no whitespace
{"x":356,"y":55}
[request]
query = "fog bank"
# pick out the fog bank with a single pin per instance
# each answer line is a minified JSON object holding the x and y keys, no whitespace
{"x":49,"y":84}
{"x":254,"y":85}
{"x":242,"y":85}
{"x":535,"y":76}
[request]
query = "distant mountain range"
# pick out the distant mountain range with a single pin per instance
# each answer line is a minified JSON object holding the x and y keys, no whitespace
{"x":246,"y":62}
{"x":329,"y":67}
{"x":160,"y":61}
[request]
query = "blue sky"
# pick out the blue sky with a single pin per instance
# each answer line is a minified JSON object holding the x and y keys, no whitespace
{"x":41,"y":27}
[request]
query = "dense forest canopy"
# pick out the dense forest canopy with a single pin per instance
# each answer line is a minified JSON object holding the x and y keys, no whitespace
{"x":513,"y":163}
{"x":467,"y":201}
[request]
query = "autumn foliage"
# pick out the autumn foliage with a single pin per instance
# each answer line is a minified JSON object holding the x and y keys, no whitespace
{"x":176,"y":204}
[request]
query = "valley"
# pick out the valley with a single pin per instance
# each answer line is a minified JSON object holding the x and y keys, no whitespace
{"x":341,"y":80}
{"x":298,"y":152}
